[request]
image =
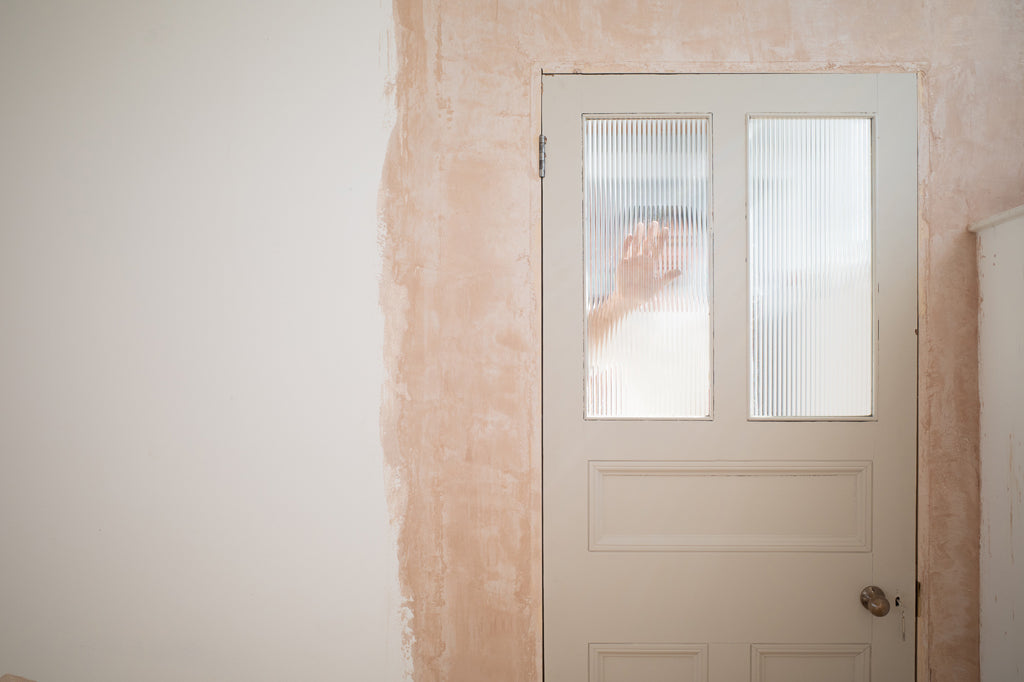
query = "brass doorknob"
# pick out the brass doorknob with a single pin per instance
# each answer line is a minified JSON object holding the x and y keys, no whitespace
{"x":874,"y":600}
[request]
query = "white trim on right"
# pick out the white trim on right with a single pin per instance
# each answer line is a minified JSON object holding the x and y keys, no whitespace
{"x":997,"y":219}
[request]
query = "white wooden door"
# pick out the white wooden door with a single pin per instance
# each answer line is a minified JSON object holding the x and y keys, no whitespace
{"x":727,"y":534}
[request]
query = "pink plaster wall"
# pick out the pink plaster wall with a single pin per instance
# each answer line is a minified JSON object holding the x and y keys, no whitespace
{"x":460,"y":208}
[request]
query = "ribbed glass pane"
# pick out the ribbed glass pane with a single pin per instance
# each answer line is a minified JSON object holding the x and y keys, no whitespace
{"x":810,"y":260}
{"x":647,"y":267}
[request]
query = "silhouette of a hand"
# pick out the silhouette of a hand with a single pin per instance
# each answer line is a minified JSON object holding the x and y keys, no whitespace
{"x":640,"y":276}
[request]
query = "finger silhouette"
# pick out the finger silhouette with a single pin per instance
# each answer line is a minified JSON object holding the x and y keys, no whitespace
{"x":669,"y":276}
{"x":627,"y":246}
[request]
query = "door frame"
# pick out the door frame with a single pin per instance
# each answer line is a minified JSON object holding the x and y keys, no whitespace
{"x":541,"y":69}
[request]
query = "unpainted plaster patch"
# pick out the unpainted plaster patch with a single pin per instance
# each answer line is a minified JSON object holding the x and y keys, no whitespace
{"x":459,"y":202}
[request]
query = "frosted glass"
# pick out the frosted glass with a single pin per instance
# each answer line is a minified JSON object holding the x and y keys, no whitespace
{"x":646,"y":236}
{"x":810,"y":267}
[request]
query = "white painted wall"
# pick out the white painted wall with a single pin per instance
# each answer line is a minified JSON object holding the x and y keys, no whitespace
{"x":191,"y":480}
{"x":1001,"y":380}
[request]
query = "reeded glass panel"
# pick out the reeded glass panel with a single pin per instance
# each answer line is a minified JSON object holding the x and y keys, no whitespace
{"x":647,"y":267}
{"x":810,"y":260}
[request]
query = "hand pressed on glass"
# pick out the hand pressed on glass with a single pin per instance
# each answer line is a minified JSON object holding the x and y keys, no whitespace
{"x":639,"y":277}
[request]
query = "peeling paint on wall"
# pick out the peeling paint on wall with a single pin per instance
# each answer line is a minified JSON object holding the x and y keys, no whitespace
{"x":460,"y":205}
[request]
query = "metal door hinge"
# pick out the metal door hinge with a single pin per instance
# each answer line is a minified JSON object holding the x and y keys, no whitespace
{"x":543,"y":150}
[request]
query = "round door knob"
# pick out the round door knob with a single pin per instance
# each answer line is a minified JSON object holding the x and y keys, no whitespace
{"x":874,"y":600}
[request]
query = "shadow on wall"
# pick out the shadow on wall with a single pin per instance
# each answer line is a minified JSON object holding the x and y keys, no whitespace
{"x":14,"y":678}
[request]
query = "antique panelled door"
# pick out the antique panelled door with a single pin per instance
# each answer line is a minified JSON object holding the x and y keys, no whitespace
{"x":729,"y":366}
